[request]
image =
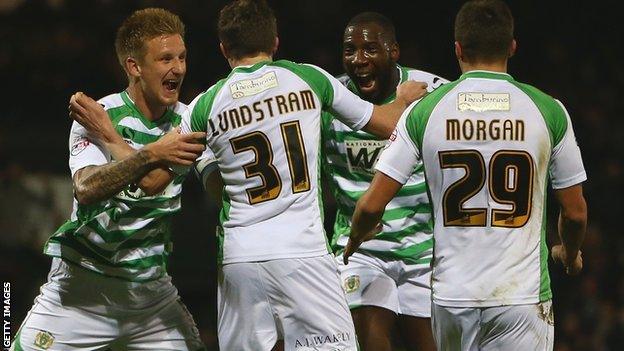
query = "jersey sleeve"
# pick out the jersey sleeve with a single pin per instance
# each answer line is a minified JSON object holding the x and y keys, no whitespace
{"x":195,"y":119}
{"x":566,"y":164}
{"x":83,"y":151}
{"x":400,"y":157}
{"x":340,"y":101}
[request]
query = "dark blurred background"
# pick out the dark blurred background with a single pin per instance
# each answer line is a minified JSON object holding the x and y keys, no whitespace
{"x":52,"y":48}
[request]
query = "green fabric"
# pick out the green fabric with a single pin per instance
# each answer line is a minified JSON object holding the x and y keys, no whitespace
{"x":552,"y":112}
{"x":319,"y":83}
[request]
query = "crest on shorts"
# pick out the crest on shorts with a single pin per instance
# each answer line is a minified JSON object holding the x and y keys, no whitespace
{"x":352,"y":283}
{"x":44,"y":339}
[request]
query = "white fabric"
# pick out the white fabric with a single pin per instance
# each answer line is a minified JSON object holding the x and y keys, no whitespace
{"x":508,"y":328}
{"x":298,"y":300}
{"x":84,"y":310}
{"x":394,"y":285}
{"x":486,"y":265}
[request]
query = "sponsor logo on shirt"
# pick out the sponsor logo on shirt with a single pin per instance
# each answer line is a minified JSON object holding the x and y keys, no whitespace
{"x":79,"y":145}
{"x":362,"y":155}
{"x":249,"y":87}
{"x":351,"y":283}
{"x":44,"y":339}
{"x":480,"y":102}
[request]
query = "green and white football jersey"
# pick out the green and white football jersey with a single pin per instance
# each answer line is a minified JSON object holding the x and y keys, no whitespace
{"x":263,"y":124}
{"x":350,"y":158}
{"x":128,"y":235}
{"x":489,"y":145}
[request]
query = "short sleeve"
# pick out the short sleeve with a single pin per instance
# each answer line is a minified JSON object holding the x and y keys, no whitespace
{"x":566,"y":164}
{"x":195,"y":119}
{"x":83,"y":151}
{"x":400,"y":157}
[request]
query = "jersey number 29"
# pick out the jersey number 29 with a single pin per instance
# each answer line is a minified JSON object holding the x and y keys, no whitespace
{"x":510,"y":182}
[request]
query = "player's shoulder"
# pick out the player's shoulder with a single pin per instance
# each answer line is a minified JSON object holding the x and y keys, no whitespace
{"x":179,"y":108}
{"x":112,"y":101}
{"x":344,"y":79}
{"x":546,"y":103}
{"x":433,"y":80}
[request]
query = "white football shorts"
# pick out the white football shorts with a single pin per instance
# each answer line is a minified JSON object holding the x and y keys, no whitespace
{"x":82,"y":310}
{"x":298,"y":300}
{"x":391,"y":284}
{"x":509,"y":328}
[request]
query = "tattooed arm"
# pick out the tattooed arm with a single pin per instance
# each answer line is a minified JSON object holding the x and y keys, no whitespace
{"x":92,"y":117}
{"x":96,"y":183}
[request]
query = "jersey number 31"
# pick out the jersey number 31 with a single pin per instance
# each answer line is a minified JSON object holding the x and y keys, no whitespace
{"x":262,"y":165}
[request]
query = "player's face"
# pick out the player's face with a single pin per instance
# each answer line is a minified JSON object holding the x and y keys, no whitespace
{"x":163,"y":69}
{"x":369,"y":59}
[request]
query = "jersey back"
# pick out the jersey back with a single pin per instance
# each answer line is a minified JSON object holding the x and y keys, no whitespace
{"x":263,"y":124}
{"x":488,"y":144}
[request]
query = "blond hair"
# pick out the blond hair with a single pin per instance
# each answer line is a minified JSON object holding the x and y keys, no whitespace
{"x":142,"y":26}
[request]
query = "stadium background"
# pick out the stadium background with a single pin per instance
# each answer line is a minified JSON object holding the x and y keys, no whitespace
{"x":52,"y":48}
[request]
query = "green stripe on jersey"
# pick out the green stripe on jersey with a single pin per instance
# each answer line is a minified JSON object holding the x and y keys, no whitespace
{"x":408,"y":224}
{"x":552,"y":112}
{"x":128,"y":235}
{"x":316,"y":79}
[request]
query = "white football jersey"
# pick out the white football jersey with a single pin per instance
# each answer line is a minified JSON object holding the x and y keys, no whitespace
{"x":488,"y":144}
{"x":263,"y":124}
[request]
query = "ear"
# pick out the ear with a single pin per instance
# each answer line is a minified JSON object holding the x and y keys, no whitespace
{"x":132,"y":67}
{"x":224,"y":51}
{"x":458,"y":52}
{"x":275,"y":46}
{"x":395,"y":52}
{"x":513,"y":47}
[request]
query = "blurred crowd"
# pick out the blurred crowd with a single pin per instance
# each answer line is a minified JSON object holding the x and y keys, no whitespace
{"x":52,"y":48}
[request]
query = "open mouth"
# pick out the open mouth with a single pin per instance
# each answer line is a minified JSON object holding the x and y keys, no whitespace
{"x":365,"y":82}
{"x":171,"y":85}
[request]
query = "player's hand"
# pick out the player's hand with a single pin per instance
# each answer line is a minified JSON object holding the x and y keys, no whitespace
{"x":177,"y":149}
{"x":411,"y":91}
{"x":573,"y":266}
{"x":356,"y":240}
{"x":92,"y":117}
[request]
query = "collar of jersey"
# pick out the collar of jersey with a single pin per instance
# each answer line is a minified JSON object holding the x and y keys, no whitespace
{"x":166,"y":117}
{"x":486,"y":75}
{"x":250,"y":68}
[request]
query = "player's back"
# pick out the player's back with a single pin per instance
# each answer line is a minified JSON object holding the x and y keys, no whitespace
{"x":487,"y":143}
{"x":263,"y":123}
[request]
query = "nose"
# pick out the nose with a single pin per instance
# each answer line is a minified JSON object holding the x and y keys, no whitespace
{"x":359,"y":58}
{"x":179,"y":66}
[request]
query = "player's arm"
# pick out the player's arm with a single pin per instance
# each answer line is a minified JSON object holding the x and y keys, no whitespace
{"x":369,"y":210}
{"x":572,"y":224}
{"x":396,"y":164}
{"x":567,"y":175}
{"x":92,"y":116}
{"x":99,"y":182}
{"x":385,"y":117}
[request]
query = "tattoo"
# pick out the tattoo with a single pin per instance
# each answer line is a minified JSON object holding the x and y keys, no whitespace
{"x":102,"y":182}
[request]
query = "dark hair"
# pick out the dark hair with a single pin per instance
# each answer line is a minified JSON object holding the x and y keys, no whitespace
{"x":484,"y":29}
{"x":374,"y":17}
{"x":247,"y":27}
{"x":142,"y":26}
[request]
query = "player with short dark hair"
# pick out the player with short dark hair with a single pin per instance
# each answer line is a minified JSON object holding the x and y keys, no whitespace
{"x":278,"y":279}
{"x":388,"y":279}
{"x":489,"y":146}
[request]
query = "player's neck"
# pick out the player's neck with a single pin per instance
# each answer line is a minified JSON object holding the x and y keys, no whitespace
{"x":149,"y":111}
{"x":391,"y":87}
{"x":249,"y":60}
{"x":483,"y":66}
